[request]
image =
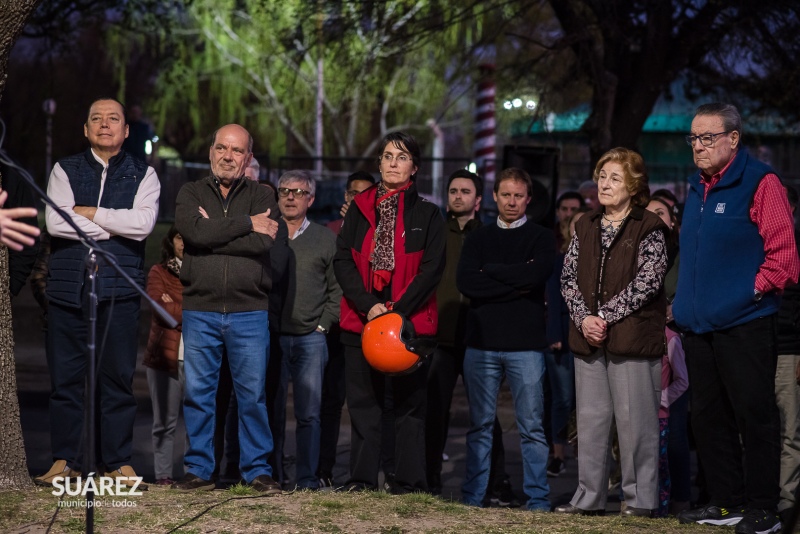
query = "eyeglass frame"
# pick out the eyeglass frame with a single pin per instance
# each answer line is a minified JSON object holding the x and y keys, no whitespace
{"x":298,"y":193}
{"x":388,"y":158}
{"x":690,"y":139}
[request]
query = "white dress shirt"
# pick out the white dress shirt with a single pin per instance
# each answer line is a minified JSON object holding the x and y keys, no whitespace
{"x":135,"y":223}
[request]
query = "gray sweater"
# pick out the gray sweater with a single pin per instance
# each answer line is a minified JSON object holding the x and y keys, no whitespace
{"x":312,"y":293}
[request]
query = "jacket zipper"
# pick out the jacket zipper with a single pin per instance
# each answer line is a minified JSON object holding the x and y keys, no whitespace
{"x":225,"y":207}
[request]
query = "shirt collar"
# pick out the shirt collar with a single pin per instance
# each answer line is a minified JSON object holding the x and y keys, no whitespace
{"x":306,"y":224}
{"x":716,"y":177}
{"x":515,"y":224}
{"x":99,"y":159}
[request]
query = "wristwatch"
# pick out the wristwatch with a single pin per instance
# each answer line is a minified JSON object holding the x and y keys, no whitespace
{"x":757,"y":295}
{"x":321,"y":329}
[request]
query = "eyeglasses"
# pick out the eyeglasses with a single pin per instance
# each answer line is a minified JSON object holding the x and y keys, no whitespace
{"x":705,"y":139}
{"x":401,"y":158}
{"x":298,"y":193}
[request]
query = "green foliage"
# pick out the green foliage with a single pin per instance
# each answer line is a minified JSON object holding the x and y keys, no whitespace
{"x":386,"y":66}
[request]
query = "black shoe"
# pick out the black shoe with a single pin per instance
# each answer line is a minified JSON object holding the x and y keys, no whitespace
{"x":556,"y":467}
{"x":326,"y":483}
{"x":388,"y":482}
{"x":191,"y":482}
{"x":504,"y":497}
{"x":758,"y":522}
{"x":574,"y":510}
{"x":712,"y":515}
{"x":636,"y":512}
{"x":264,"y":484}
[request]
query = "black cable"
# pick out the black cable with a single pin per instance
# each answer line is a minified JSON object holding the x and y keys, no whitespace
{"x":58,"y":508}
{"x":208,"y":509}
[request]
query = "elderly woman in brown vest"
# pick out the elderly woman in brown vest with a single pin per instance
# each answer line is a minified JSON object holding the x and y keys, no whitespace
{"x":612,"y":284}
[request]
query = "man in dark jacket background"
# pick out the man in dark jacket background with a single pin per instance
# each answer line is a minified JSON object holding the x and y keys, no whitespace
{"x":787,"y":385}
{"x":228,"y":227}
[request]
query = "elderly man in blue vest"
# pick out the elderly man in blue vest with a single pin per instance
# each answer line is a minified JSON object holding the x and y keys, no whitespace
{"x":113,"y":197}
{"x":738,"y":253}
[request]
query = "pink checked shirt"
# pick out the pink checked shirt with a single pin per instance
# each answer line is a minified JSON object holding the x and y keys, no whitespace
{"x":772,"y":215}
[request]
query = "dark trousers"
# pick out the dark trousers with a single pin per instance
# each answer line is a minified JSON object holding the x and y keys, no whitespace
{"x":277,"y":392}
{"x":732,"y":377}
{"x":678,"y":450}
{"x":67,"y":358}
{"x":447,"y":364}
{"x":226,"y":429}
{"x":365,"y":400}
{"x":333,"y":396}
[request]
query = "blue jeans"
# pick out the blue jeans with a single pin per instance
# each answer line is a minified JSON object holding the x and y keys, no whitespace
{"x":560,"y":367}
{"x":304,"y":359}
{"x":483,"y":373}
{"x":245,"y":337}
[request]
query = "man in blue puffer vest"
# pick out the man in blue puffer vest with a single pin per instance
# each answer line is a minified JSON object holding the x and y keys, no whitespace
{"x":738,"y":253}
{"x":113,"y":197}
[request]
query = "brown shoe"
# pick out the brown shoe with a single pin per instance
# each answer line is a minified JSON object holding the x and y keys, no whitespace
{"x":127,"y":477}
{"x":265,"y":485}
{"x":59,"y":469}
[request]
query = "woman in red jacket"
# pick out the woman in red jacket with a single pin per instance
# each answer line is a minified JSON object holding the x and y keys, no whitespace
{"x":390,"y":256}
{"x":164,"y":355}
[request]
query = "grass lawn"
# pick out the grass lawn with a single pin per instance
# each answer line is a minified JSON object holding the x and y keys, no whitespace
{"x":239,"y":509}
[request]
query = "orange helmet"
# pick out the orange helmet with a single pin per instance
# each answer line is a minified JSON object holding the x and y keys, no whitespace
{"x":390,"y":344}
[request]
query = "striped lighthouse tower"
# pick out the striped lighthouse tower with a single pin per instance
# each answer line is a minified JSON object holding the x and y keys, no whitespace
{"x":484,"y":146}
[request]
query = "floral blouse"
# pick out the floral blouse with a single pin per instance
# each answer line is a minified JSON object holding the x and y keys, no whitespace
{"x":641,"y":290}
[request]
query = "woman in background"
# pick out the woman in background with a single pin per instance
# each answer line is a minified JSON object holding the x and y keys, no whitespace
{"x":164,"y":355}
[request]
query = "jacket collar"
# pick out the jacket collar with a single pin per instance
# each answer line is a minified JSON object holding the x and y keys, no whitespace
{"x":472,"y":224}
{"x":732,"y":175}
{"x":637,"y":212}
{"x":365,"y":200}
{"x":113,"y":163}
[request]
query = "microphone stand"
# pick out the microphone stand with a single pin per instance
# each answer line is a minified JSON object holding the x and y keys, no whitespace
{"x":94,"y":250}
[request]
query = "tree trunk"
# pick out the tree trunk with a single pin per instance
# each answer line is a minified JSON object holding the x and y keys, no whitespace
{"x":13,"y":464}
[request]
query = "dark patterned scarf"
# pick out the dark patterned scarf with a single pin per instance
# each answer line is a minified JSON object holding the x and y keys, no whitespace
{"x":383,"y":251}
{"x":174,"y":266}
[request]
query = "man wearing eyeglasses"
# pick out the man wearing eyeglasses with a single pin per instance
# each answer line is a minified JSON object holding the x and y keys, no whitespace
{"x":228,"y":227}
{"x":310,"y":297}
{"x":737,"y":255}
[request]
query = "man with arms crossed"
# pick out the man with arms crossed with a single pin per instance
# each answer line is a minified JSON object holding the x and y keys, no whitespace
{"x":503,"y":270}
{"x":113,"y":197}
{"x":225,"y":220}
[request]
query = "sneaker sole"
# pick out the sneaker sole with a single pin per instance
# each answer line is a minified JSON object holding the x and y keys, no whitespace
{"x":731,"y":521}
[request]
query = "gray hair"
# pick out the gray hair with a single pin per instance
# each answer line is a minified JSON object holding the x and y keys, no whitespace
{"x":254,"y":165}
{"x":731,"y":120}
{"x":298,"y":176}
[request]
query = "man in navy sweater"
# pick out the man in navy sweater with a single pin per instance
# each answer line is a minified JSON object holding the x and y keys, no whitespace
{"x":503,"y":270}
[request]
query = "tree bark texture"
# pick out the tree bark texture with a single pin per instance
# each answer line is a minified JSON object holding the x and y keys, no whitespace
{"x":631,"y":53}
{"x":13,"y":463}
